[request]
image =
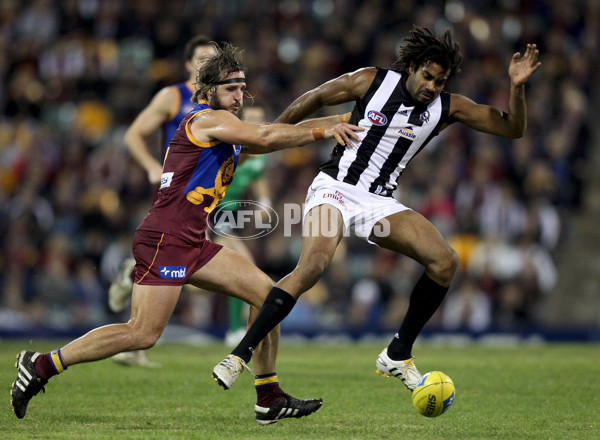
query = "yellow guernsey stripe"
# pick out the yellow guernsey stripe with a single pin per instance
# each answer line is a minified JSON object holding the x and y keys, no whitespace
{"x":192,"y":139}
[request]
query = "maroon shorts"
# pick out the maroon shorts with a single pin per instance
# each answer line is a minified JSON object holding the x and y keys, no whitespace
{"x":166,"y":260}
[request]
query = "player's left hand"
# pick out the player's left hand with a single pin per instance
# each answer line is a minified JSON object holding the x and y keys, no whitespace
{"x":522,"y":67}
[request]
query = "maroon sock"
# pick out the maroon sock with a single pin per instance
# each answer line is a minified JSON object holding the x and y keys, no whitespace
{"x":268,"y":395}
{"x":43,"y":366}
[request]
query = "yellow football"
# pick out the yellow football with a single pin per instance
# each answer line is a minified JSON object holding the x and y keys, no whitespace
{"x":434,"y":394}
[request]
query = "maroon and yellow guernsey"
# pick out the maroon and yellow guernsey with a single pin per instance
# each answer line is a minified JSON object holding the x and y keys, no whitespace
{"x":194,"y":180}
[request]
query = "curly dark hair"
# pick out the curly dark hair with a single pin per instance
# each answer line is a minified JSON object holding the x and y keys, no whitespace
{"x":227,"y":60}
{"x":423,"y":46}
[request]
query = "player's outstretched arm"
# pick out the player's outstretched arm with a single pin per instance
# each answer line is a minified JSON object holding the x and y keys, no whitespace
{"x":520,"y":70}
{"x":489,"y":119}
{"x":325,"y":121}
{"x":265,"y":138}
{"x":344,"y":88}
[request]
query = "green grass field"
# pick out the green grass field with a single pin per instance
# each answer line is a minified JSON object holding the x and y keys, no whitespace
{"x":541,"y":392}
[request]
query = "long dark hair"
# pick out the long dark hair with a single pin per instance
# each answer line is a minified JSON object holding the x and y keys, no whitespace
{"x":228,"y":59}
{"x":423,"y":46}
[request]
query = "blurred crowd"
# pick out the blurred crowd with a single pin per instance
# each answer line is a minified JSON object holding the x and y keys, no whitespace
{"x":75,"y":73}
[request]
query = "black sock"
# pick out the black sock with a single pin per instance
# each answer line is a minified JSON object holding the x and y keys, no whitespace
{"x":277,"y":305}
{"x":425,"y":299}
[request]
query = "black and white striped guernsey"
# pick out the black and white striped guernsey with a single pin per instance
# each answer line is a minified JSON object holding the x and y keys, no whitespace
{"x":396,"y":129}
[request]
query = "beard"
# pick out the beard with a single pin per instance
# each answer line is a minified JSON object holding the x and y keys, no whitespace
{"x":215,"y":103}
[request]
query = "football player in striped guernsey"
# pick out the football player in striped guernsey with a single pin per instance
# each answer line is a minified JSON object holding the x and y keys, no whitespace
{"x":401,"y":109}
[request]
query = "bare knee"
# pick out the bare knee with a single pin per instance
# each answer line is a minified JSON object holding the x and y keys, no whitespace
{"x":306,"y":274}
{"x":443,"y":270}
{"x":142,"y":338}
{"x":148,"y":341}
{"x":256,"y":297}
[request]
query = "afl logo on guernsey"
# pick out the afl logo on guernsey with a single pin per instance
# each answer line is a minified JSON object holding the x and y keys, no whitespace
{"x":377,"y":118}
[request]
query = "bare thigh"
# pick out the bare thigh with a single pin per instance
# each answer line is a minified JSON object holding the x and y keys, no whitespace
{"x":231,"y":274}
{"x":413,"y":235}
{"x":235,"y":245}
{"x":322,"y":232}
{"x":152,"y":306}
